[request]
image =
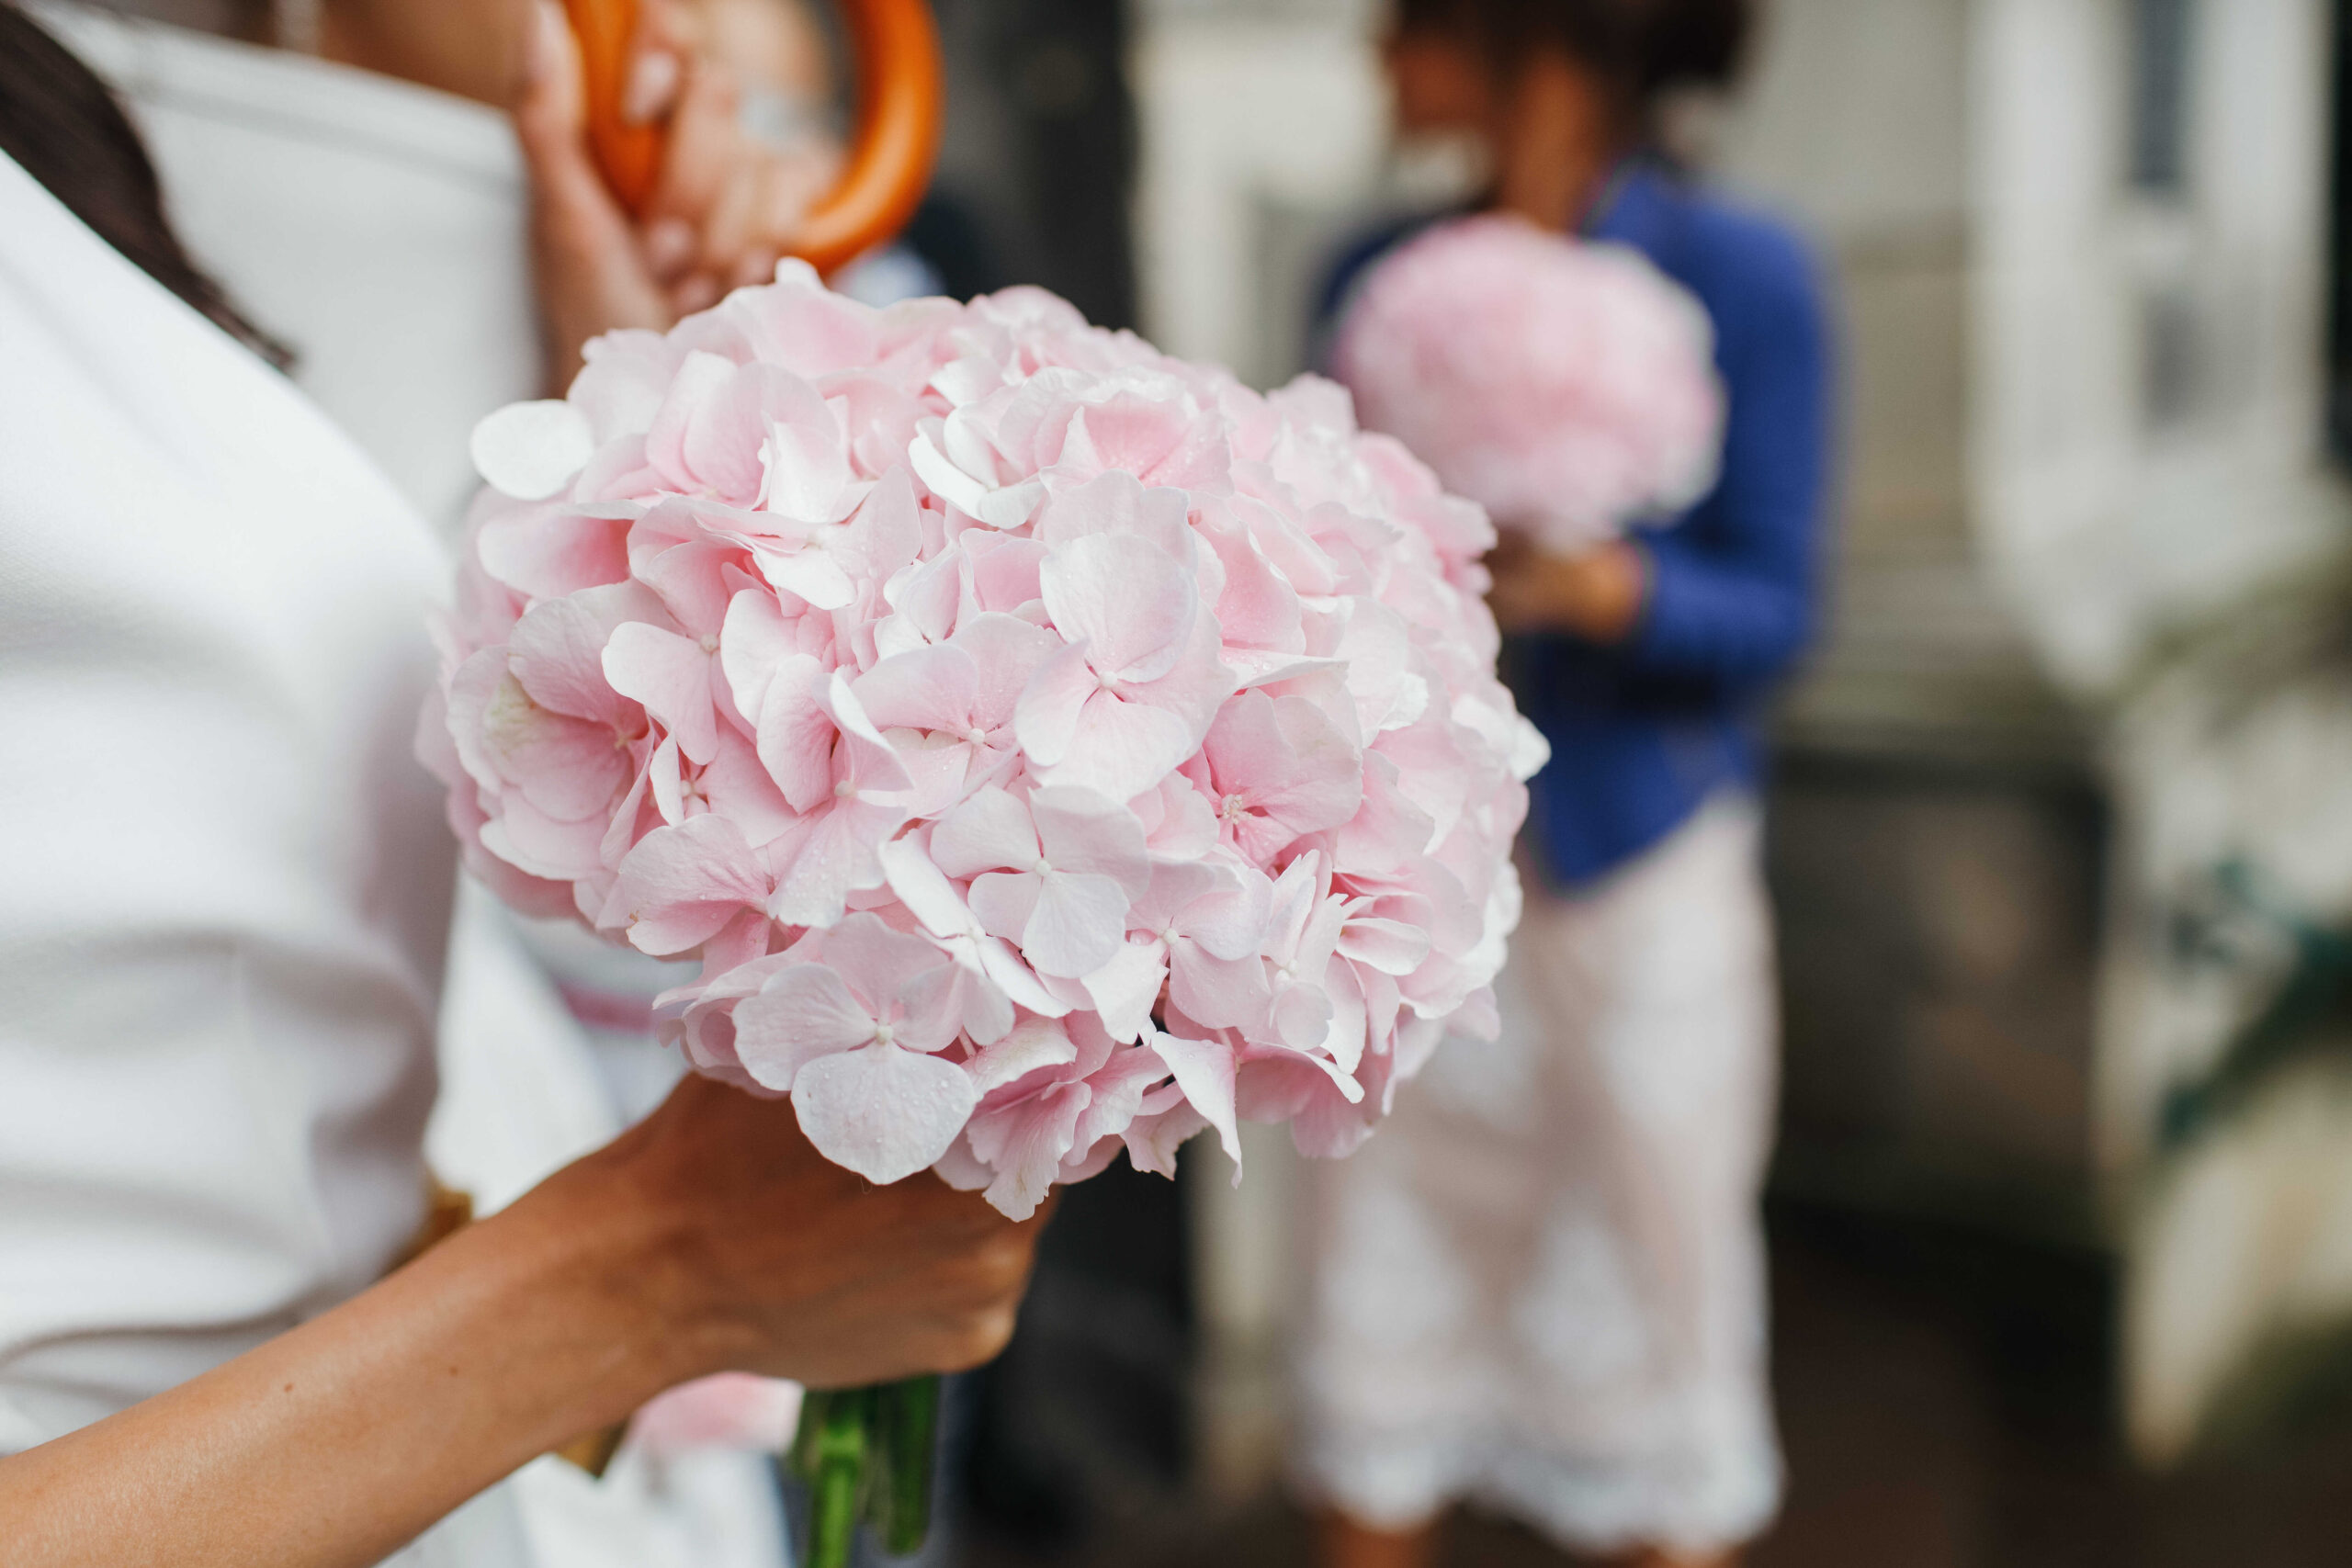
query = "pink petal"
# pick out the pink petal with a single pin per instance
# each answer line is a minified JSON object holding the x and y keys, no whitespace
{"x":1045,"y":717}
{"x":1124,"y":598}
{"x":549,"y":550}
{"x":960,"y":1169}
{"x":881,"y":1111}
{"x":840,"y":856}
{"x":990,"y":830}
{"x":1025,"y":1144}
{"x":557,"y":650}
{"x":1004,"y":572}
{"x":1157,"y":442}
{"x":796,"y":734}
{"x":928,"y":688}
{"x":1230,"y":921}
{"x":1006,"y":652}
{"x":1122,"y":749}
{"x":1389,"y":946}
{"x":809,"y":573}
{"x":754,"y":640}
{"x":1016,"y":980}
{"x":731,"y":1410}
{"x":875,"y":962}
{"x":1196,"y":686}
{"x":1117,"y":503}
{"x":699,"y":380}
{"x":1259,"y":608}
{"x":1220,"y":993}
{"x":863,"y":759}
{"x":679,"y":886}
{"x":802,"y":1013}
{"x":887,"y":532}
{"x":672,"y":676}
{"x":1117,"y":1089}
{"x":620,"y":387}
{"x":805,"y":465}
{"x":1206,"y":1071}
{"x":1290,"y":761}
{"x":924,"y":889}
{"x":739,"y":787}
{"x":694,"y":579}
{"x":1082,"y":832}
{"x":1344,"y":1042}
{"x":556,"y":848}
{"x":1077,"y":924}
{"x":1033,"y":1045}
{"x":1003,"y":902}
{"x":1302,"y":1016}
{"x":1125,"y":989}
{"x":958,"y":999}
{"x":1152,"y":1140}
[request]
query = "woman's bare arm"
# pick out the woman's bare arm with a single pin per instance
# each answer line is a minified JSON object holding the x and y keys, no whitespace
{"x":709,"y":1237}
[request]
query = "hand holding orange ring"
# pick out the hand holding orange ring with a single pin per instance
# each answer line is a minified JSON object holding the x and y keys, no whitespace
{"x":899,"y":92}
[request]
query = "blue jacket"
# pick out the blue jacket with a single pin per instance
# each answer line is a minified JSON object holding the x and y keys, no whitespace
{"x":1643,"y":731}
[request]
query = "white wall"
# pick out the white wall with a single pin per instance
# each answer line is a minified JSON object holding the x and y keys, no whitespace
{"x":2109,"y":531}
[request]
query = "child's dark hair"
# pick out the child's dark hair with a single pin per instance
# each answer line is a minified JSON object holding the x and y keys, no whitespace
{"x":1645,"y":46}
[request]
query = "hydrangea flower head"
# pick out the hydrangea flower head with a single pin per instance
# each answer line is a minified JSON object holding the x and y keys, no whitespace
{"x":1048,"y":748}
{"x":1568,"y":387}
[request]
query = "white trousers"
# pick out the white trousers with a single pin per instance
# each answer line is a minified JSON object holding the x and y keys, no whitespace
{"x":1541,"y":1285}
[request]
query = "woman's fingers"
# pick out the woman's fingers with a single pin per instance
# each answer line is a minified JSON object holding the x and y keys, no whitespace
{"x":732,"y":219}
{"x":590,"y":274}
{"x":844,"y":1283}
{"x":706,"y":145}
{"x":751,"y":222}
{"x":668,"y":35}
{"x":550,"y":119}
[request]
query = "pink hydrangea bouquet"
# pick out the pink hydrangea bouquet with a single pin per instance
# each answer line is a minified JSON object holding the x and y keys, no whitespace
{"x":1047,"y":746}
{"x":1568,"y":387}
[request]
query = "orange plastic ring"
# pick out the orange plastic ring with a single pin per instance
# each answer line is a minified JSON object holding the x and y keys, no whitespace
{"x":900,"y":90}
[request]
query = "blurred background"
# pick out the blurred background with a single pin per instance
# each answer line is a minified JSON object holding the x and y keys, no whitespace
{"x":2059,"y":834}
{"x":2060,"y":837}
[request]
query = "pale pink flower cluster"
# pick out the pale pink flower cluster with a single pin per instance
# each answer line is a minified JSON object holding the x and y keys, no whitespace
{"x":1568,"y":387}
{"x":727,"y":1410}
{"x":1048,"y":747}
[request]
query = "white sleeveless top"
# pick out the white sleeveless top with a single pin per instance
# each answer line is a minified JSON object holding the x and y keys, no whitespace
{"x":377,"y":228}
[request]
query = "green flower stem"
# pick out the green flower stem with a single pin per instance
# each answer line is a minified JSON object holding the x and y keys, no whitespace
{"x":868,"y":1454}
{"x":910,"y":1450}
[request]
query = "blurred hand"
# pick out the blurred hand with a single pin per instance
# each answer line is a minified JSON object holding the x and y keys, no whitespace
{"x":724,"y":209}
{"x":726,"y":204}
{"x":789,"y":1265}
{"x":1597,"y":595}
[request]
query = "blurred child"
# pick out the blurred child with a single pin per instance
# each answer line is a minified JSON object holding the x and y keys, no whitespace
{"x":1542,"y":1287}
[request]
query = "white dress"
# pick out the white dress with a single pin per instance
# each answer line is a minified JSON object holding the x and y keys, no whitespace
{"x":404,"y":291}
{"x":1541,"y":1286}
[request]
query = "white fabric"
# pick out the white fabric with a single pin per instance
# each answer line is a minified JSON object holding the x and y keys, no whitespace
{"x":227,"y":882}
{"x":378,"y":227}
{"x":1541,"y":1286}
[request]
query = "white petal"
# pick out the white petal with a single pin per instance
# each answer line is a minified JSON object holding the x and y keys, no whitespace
{"x":531,"y":450}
